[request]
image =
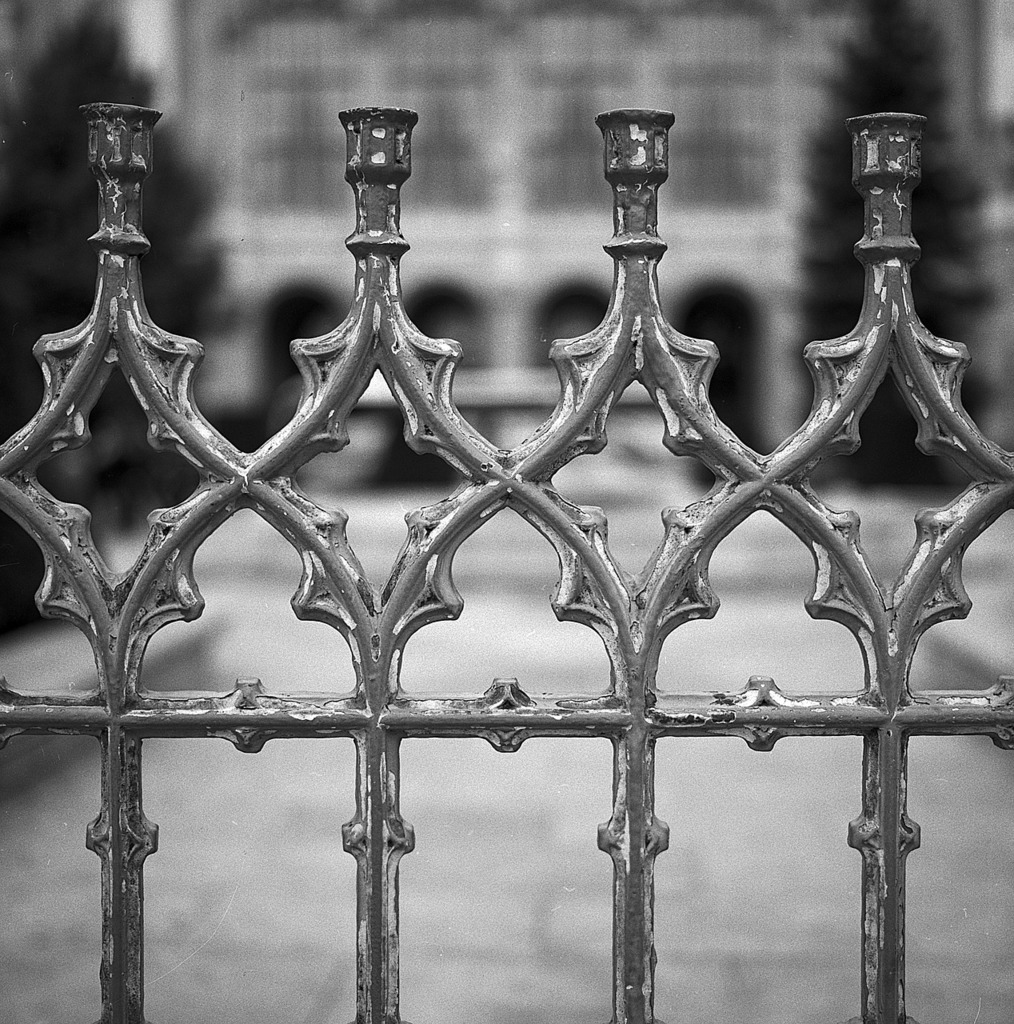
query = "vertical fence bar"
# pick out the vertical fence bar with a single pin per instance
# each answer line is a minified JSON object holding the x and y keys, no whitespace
{"x":886,"y":168}
{"x":633,"y":838}
{"x":377,"y":837}
{"x":636,"y":157}
{"x":122,"y":837}
{"x":120,"y":157}
{"x":378,"y":163}
{"x":884,"y":835}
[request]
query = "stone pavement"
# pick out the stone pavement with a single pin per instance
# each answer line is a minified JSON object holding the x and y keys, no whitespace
{"x":505,"y":902}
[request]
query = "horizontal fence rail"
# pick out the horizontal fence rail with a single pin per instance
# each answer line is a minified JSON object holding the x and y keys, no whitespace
{"x":632,"y":614}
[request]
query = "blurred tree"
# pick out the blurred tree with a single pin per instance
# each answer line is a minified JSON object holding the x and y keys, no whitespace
{"x":894,"y":61}
{"x":47,"y":272}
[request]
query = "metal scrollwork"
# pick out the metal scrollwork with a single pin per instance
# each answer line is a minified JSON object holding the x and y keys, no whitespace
{"x":631,"y":613}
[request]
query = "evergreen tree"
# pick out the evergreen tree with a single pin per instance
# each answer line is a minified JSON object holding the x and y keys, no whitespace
{"x":893,"y":62}
{"x":47,"y":270}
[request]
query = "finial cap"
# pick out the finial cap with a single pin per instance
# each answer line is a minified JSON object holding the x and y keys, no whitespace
{"x":886,"y":149}
{"x":119,"y":138}
{"x":379,"y":141}
{"x":636,"y":144}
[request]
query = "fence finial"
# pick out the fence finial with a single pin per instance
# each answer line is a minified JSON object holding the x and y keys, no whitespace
{"x":379,"y":161}
{"x":886,"y":167}
{"x":636,"y":163}
{"x":119,"y":154}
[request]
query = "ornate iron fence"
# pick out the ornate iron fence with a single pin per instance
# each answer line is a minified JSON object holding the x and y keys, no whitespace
{"x":119,"y":612}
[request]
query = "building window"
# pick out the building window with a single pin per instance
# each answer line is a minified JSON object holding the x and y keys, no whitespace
{"x":723,"y":96}
{"x":295,"y":143}
{"x":426,"y":71}
{"x":305,"y":158}
{"x":719,"y":153}
{"x":567,"y":164}
{"x":446,"y":169}
{"x":576,"y":76}
{"x":1001,"y":88}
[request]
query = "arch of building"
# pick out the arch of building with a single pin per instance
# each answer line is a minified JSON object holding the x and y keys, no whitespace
{"x":303,"y":310}
{"x":726,"y":314}
{"x":300,"y":310}
{"x":568,"y":311}
{"x":439,"y":310}
{"x":443,"y":310}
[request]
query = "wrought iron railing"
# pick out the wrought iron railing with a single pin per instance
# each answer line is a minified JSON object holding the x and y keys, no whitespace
{"x":120,"y":611}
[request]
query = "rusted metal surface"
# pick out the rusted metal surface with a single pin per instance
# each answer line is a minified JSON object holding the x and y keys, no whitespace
{"x":120,"y":611}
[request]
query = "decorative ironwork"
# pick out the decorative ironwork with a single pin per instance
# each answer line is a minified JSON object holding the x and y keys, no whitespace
{"x":633,"y":614}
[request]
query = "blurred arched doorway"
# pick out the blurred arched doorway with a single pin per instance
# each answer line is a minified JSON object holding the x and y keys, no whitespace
{"x":725,"y":315}
{"x":445,"y":311}
{"x":439,"y":311}
{"x":300,"y":311}
{"x":567,"y":312}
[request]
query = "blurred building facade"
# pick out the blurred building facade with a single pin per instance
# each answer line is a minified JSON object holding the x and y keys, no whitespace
{"x":507,"y":209}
